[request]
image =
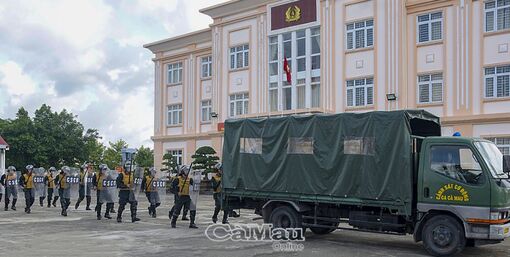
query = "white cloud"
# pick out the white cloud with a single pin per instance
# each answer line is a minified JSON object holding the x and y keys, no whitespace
{"x":196,"y":19}
{"x":15,"y":80}
{"x":86,"y":56}
{"x":82,"y":23}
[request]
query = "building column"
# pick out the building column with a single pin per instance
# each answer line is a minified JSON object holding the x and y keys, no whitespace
{"x":158,"y":154}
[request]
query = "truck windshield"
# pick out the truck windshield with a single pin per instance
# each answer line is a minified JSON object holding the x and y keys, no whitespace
{"x":493,"y":158}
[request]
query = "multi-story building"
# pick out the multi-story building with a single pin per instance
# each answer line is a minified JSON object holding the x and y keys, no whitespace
{"x":449,"y":57}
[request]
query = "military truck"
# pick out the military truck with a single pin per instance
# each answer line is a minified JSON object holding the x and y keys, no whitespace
{"x":384,"y":172}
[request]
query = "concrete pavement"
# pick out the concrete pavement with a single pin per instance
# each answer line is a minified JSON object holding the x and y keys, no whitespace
{"x":45,"y":233}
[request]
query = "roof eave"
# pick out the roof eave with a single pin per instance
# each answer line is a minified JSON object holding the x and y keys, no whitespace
{"x":233,"y":7}
{"x":196,"y":37}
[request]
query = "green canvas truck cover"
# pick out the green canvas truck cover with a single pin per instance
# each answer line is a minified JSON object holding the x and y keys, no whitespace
{"x":347,"y":158}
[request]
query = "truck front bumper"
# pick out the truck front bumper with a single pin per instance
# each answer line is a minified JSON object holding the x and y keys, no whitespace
{"x":499,"y":232}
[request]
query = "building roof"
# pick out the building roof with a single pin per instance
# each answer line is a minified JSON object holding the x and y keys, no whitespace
{"x":173,"y":43}
{"x":3,"y":144}
{"x":233,"y":7}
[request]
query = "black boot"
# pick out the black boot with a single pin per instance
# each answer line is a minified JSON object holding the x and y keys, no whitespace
{"x":119,"y":213}
{"x":150,"y":210}
{"x":107,"y":213}
{"x":171,"y":213}
{"x":225,"y":217}
{"x":41,"y":201}
{"x":215,"y":215}
{"x":55,"y":201}
{"x":98,"y":211}
{"x":174,"y":221}
{"x":77,"y":204}
{"x":89,"y":199}
{"x":112,"y":209}
{"x":192,"y":215}
{"x":133,"y":213}
{"x":13,"y":206}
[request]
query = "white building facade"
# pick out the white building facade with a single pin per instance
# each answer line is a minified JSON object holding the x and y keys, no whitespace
{"x":451,"y":58}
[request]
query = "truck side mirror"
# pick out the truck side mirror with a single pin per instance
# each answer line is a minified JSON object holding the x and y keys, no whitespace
{"x":467,"y":161}
{"x":506,"y":163}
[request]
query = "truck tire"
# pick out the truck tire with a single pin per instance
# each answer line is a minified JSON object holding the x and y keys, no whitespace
{"x":443,"y":236}
{"x":285,"y":217}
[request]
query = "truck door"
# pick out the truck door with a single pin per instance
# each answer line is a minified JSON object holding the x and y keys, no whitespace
{"x":452,"y":176}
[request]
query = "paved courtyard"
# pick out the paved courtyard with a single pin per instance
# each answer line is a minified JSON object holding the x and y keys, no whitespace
{"x":45,"y":233}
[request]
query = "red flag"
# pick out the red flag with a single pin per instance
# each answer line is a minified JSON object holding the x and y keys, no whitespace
{"x":286,"y":68}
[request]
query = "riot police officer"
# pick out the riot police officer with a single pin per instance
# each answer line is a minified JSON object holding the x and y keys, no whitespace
{"x":151,"y":192}
{"x":183,"y":183}
{"x":27,"y":183}
{"x":84,"y":191}
{"x":49,"y":180}
{"x":126,"y":185}
{"x":216,"y":185}
{"x":103,"y":193}
{"x":175,"y":190}
{"x":63,"y":187}
{"x":10,"y":182}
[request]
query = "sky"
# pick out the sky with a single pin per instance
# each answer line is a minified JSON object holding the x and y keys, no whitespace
{"x":86,"y":56}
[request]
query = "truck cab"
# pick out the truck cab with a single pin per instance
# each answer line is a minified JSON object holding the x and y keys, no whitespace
{"x":463,"y":181}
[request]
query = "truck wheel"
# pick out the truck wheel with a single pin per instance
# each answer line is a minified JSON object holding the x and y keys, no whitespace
{"x":443,"y":236}
{"x":285,"y":217}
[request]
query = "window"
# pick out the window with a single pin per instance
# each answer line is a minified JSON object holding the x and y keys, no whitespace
{"x":360,"y":34}
{"x":497,"y":15}
{"x":250,"y":145}
{"x":174,"y":73}
{"x":206,"y":66}
{"x":206,"y":110}
{"x":497,"y":81}
{"x":451,"y":161}
{"x":316,"y":92}
{"x":174,"y":114}
{"x":430,"y":27}
{"x":360,"y":92}
{"x":300,"y":145}
{"x":238,"y":104}
{"x":359,"y":145}
{"x":239,"y":57}
{"x":430,"y":88}
{"x":503,"y":144}
{"x":177,"y":154}
{"x":301,"y":49}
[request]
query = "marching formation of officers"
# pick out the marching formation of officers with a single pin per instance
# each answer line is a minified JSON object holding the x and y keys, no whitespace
{"x":108,"y":185}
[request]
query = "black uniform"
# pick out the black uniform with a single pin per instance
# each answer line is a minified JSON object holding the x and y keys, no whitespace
{"x":26,"y":181}
{"x":152,"y":195}
{"x":49,"y":181}
{"x":84,"y":192}
{"x":11,"y":189}
{"x":102,"y":196}
{"x":216,"y":185}
{"x":175,"y":190}
{"x":183,"y":183}
{"x":65,"y":201}
{"x":125,"y":182}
